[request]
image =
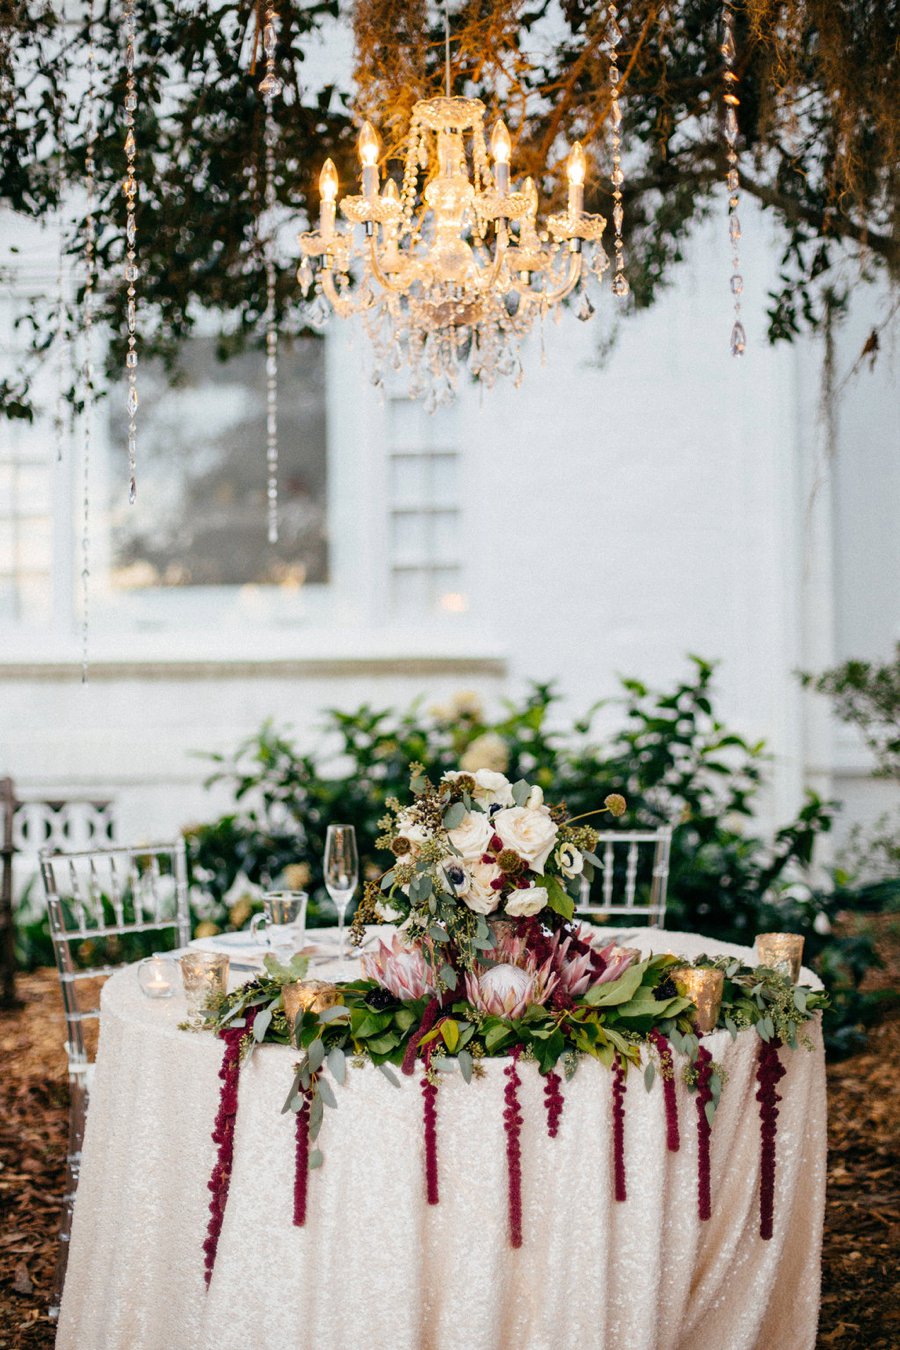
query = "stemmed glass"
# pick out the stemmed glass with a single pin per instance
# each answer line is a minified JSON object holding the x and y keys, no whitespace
{"x":341,"y":872}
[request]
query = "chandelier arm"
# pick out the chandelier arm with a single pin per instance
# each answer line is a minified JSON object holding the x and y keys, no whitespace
{"x":381,"y":276}
{"x":569,"y":282}
{"x":490,"y":280}
{"x":341,"y":305}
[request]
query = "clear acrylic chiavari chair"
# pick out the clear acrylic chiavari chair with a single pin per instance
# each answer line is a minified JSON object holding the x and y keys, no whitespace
{"x":106,"y":907}
{"x":634,"y":878}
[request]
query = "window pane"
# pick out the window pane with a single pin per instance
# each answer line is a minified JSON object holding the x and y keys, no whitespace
{"x":200,"y":516}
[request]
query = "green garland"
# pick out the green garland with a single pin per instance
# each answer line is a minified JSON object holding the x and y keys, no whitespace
{"x":612,"y":1022}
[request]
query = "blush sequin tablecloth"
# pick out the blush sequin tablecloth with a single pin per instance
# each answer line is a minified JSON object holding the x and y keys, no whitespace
{"x":376,"y":1267}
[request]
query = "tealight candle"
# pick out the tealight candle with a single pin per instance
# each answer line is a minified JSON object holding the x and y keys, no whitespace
{"x":156,"y":976}
{"x":782,"y":952}
{"x":703,"y":986}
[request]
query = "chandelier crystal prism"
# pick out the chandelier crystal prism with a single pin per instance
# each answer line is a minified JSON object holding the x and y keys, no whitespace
{"x":450,"y":270}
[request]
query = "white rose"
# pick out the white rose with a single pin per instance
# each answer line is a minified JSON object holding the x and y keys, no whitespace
{"x":530,"y":833}
{"x":472,"y":836}
{"x":493,"y":788}
{"x":481,"y":896}
{"x":569,"y":860}
{"x":527,"y":901}
{"x":414,"y":832}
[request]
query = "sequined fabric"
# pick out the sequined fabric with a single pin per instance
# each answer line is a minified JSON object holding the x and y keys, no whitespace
{"x":376,"y":1267}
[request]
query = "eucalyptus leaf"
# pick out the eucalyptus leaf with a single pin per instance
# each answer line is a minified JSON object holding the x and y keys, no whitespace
{"x":710,"y":1109}
{"x":389,"y":1074}
{"x":333,"y":1013}
{"x":521,"y":791}
{"x":649,"y":1074}
{"x":454,"y":816}
{"x":316,"y":1053}
{"x":326,"y":1092}
{"x":316,"y":1159}
{"x":316,"y":1114}
{"x":291,"y":1095}
{"x":464,"y":1060}
{"x":261,"y":1025}
{"x":448,"y":975}
{"x":337,"y":1064}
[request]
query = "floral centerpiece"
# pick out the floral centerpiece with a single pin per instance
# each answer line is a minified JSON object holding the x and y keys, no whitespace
{"x":471,"y":853}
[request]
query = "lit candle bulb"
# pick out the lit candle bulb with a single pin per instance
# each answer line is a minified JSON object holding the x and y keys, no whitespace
{"x":368,"y":157}
{"x":501,"y":148}
{"x":328,"y":186}
{"x":575,"y":168}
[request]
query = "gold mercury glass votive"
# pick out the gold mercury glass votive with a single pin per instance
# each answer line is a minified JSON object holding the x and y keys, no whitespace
{"x":704,"y":988}
{"x":204,"y":975}
{"x":782,"y":952}
{"x":307,"y":996}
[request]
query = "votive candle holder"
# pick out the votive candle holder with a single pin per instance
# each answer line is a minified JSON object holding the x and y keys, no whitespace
{"x":703,"y":985}
{"x":307,"y":996}
{"x":205,"y":977}
{"x":157,"y":976}
{"x":782,"y":952}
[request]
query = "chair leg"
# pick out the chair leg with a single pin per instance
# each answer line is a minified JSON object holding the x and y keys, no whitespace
{"x":77,"y":1117}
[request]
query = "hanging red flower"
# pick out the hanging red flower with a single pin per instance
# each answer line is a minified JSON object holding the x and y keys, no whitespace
{"x":512,"y":1121}
{"x":301,"y":1163}
{"x":428,"y":1020}
{"x":223,"y":1138}
{"x":618,"y":1124}
{"x":667,"y":1073}
{"x":429,"y":1120}
{"x":553,"y":1103}
{"x":769,"y":1072}
{"x":704,"y":1130}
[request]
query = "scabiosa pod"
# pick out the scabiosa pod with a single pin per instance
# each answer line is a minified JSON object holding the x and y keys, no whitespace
{"x":512,"y":1121}
{"x":618,"y":1128}
{"x":704,"y":1130}
{"x":769,"y":1072}
{"x":223,"y":1138}
{"x":667,"y":1074}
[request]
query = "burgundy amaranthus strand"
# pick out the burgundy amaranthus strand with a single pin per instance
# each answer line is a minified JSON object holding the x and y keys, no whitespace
{"x":618,"y":1091}
{"x":512,"y":1121}
{"x":769,"y":1072}
{"x":301,"y":1163}
{"x":428,"y":1020}
{"x":704,"y":1095}
{"x":667,"y":1073}
{"x":553,"y":1102}
{"x":223,"y":1138}
{"x":429,"y":1121}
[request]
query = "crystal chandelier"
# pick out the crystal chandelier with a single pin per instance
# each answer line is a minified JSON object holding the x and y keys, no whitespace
{"x":450,"y":270}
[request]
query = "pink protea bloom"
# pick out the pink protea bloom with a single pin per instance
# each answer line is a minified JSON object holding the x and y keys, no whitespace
{"x":616,"y":964}
{"x":575,"y":970}
{"x":508,"y":991}
{"x":400,"y":969}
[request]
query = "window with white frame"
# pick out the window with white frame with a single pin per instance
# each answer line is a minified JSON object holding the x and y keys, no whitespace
{"x":26,"y":527}
{"x":425,"y":537}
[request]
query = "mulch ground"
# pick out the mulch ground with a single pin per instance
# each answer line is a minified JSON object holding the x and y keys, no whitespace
{"x":860,"y":1286}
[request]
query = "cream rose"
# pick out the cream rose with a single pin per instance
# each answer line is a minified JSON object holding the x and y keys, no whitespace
{"x":491,"y":789}
{"x":472,"y":836}
{"x":481,"y":896}
{"x":416,"y":833}
{"x":530,"y":833}
{"x":527,"y":901}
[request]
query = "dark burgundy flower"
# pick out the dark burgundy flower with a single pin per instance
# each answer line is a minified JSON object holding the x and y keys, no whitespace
{"x":665,"y":989}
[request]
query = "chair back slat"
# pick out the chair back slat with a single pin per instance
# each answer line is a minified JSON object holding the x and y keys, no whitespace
{"x":100,"y":902}
{"x":634,"y":876}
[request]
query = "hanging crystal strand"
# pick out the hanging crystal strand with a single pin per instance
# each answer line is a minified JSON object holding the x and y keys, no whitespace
{"x":269,"y":87}
{"x":62,"y":346}
{"x":617,"y":177}
{"x":131,"y":270}
{"x":731,"y":104}
{"x":90,"y":263}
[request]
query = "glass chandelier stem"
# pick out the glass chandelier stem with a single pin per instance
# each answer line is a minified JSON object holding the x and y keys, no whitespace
{"x":131,"y":271}
{"x":731,"y":103}
{"x":617,"y":177}
{"x":87,"y":370}
{"x":269,"y":87}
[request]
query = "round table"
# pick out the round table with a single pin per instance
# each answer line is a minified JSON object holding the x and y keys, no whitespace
{"x":376,"y":1267}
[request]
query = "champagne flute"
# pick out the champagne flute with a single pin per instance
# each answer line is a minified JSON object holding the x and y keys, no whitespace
{"x":341,"y":872}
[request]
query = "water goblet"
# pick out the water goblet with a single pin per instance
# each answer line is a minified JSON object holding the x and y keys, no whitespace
{"x":341,"y":873}
{"x":204,"y":976}
{"x":283,"y":920}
